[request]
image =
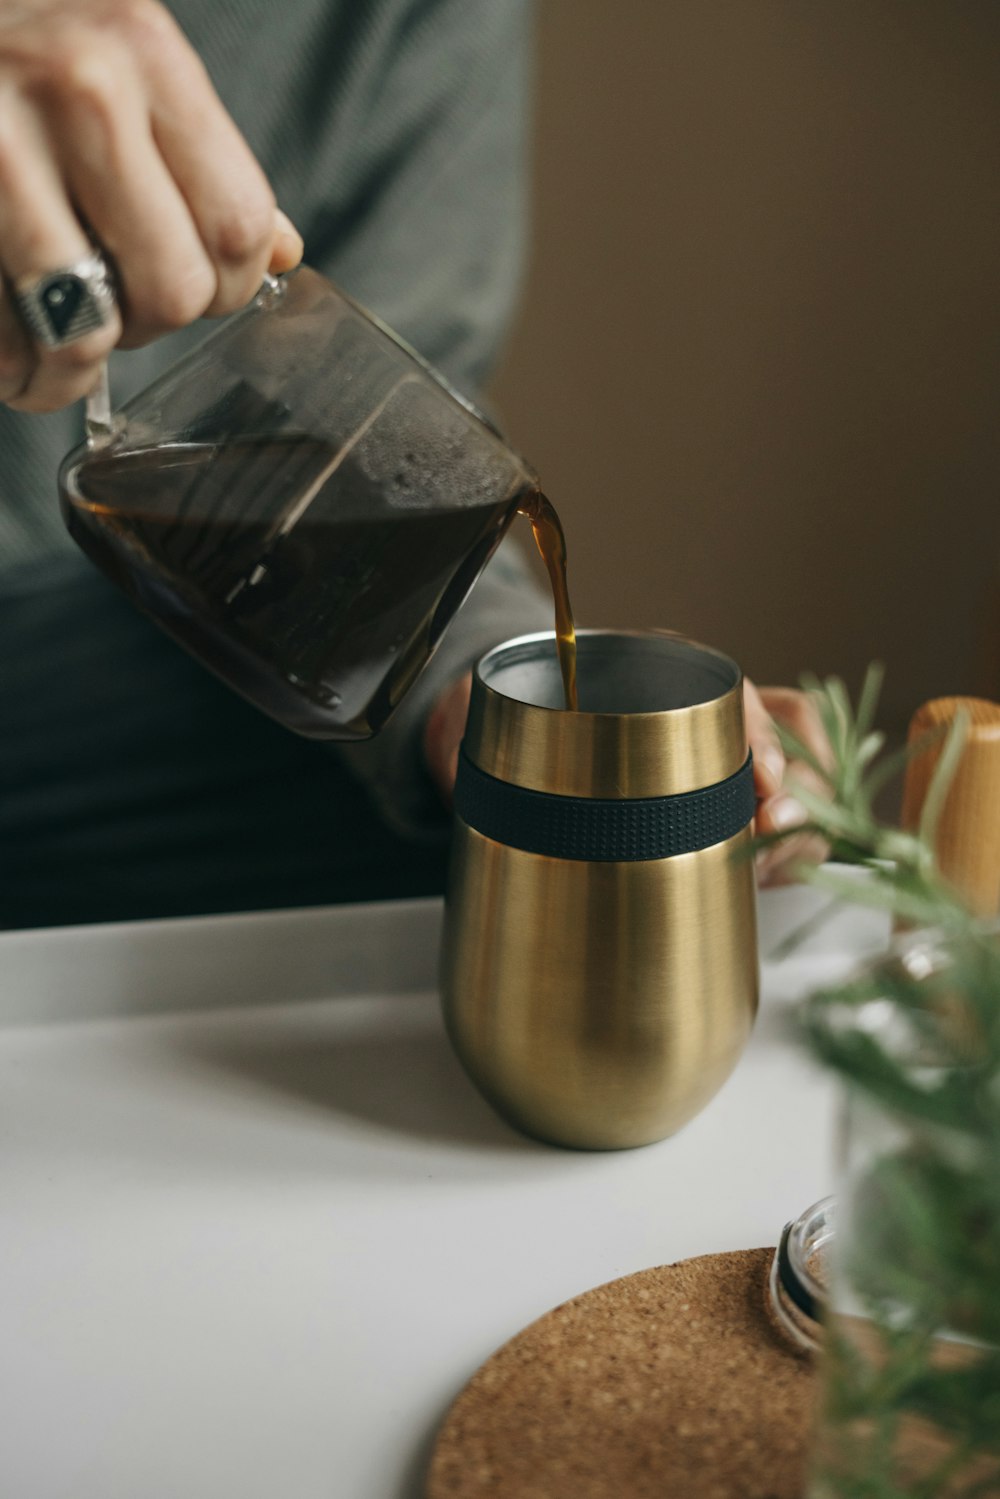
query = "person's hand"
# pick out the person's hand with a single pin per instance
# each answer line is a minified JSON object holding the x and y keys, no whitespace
{"x":777,"y":809}
{"x":110,"y":130}
{"x":443,"y":735}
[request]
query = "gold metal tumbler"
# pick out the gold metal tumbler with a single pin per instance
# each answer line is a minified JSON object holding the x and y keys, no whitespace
{"x":599,"y":959}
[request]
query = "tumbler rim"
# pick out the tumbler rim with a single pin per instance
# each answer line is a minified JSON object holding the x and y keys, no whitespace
{"x":509,"y":648}
{"x":656,"y":752}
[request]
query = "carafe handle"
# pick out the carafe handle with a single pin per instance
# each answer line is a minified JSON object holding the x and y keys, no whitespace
{"x":97,"y":420}
{"x":99,"y":424}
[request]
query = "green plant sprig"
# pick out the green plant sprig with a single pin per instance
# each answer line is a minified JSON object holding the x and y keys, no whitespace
{"x":925,"y":1241}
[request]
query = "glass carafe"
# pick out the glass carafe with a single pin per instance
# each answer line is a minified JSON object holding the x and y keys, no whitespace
{"x":302,"y":503}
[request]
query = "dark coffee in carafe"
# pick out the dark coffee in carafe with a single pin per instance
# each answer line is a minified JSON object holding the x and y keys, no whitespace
{"x":303,"y":504}
{"x":323,"y":624}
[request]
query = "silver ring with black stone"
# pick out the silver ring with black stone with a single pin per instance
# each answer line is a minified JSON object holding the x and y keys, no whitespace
{"x":64,"y":305}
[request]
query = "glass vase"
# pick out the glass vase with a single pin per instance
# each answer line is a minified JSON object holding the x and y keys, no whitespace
{"x":911,"y":1362}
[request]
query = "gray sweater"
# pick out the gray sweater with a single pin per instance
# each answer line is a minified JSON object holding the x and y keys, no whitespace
{"x":393,"y":132}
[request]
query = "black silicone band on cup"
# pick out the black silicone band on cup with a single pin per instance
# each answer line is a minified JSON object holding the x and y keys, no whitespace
{"x":603,"y":830}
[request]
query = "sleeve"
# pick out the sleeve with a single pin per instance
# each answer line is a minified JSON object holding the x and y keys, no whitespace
{"x":424,"y":216}
{"x":503,"y":603}
{"x":430,"y":235}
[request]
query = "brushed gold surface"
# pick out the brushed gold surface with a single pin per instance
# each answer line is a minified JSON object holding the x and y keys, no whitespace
{"x":609,"y":754}
{"x":599,"y":1005}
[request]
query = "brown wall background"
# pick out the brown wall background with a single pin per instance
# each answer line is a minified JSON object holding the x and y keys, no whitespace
{"x":758,"y":359}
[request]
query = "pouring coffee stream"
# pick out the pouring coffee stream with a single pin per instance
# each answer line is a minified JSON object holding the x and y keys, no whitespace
{"x":551,"y":542}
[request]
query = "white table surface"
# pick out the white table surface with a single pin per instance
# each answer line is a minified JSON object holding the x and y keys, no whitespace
{"x":257,"y":1229}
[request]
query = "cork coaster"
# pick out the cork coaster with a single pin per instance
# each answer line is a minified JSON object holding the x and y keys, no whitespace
{"x":664,"y":1385}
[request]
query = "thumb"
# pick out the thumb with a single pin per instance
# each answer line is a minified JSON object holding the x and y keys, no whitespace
{"x":286,"y":251}
{"x":768,"y":756}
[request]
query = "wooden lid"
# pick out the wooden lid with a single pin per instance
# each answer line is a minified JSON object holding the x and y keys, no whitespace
{"x":967,"y":841}
{"x":672,"y":1382}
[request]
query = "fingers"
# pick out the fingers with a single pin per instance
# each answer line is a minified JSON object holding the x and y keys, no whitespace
{"x":243,"y":232}
{"x":110,"y":129}
{"x":286,"y":251}
{"x":778,"y":811}
{"x":784,"y":861}
{"x":784,"y":864}
{"x":796,"y":712}
{"x":768,"y":756}
{"x":226,"y":192}
{"x":39,"y":232}
{"x":166,"y":277}
{"x":17,"y":356}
